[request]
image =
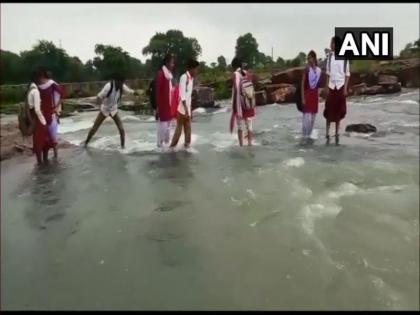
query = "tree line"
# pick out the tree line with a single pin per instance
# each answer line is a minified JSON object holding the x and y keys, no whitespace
{"x":16,"y":68}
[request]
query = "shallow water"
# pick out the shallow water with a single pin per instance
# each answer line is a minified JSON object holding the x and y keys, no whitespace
{"x":275,"y":226}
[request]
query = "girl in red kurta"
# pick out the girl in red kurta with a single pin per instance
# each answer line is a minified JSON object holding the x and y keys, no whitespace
{"x":44,"y":136}
{"x":164,"y":89}
{"x":51,"y":95}
{"x":309,"y":88}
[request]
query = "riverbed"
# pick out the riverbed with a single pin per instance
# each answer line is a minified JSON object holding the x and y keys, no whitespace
{"x":279,"y":225}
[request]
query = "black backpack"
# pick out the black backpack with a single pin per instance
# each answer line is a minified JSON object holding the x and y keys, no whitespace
{"x":152,"y":93}
{"x":298,"y":96}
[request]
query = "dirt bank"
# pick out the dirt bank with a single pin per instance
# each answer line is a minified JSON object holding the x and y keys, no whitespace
{"x":13,"y":144}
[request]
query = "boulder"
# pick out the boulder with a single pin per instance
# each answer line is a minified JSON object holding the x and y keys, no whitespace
{"x":261,"y":84}
{"x":290,"y":76}
{"x":361,"y":128}
{"x":270,"y":88}
{"x":406,"y":70}
{"x":389,"y":88}
{"x":359,"y":89}
{"x":284,"y":94}
{"x":410,"y":77}
{"x":202,"y":96}
{"x":387,"y":79}
{"x":260,"y":98}
{"x":372,"y":90}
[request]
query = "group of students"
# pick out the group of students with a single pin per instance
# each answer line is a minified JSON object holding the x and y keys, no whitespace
{"x":173,"y":102}
{"x":338,"y":75}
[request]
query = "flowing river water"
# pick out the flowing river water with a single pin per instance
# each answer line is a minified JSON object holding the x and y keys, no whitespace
{"x":275,"y":226}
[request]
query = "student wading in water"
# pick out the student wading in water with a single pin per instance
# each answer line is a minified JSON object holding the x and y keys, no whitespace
{"x":164,"y":89}
{"x":43,"y":98}
{"x":109,"y":98}
{"x":184,"y":108}
{"x":338,"y":74}
{"x":309,"y":95}
{"x":242,"y":110}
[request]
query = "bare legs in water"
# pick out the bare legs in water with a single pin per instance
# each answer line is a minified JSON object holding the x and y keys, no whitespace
{"x":98,"y":122}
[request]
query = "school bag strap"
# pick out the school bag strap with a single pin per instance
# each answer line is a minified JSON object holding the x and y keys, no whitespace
{"x":188,"y":81}
{"x":329,"y":63}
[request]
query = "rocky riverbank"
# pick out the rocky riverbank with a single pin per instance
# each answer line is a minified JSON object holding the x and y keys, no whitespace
{"x":388,"y":77}
{"x":13,"y":144}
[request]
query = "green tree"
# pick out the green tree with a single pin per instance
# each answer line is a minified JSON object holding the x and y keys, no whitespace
{"x":280,"y":62}
{"x":221,"y":62}
{"x":110,"y":59}
{"x":89,"y":72}
{"x":247,"y":49}
{"x":302,"y":58}
{"x":264,"y":60}
{"x":11,"y":68}
{"x":75,"y":70}
{"x":173,"y":41}
{"x":411,"y":50}
{"x":46,"y":54}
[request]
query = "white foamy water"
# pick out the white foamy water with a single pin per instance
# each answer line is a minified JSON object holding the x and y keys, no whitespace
{"x":295,"y":162}
{"x":276,"y":226}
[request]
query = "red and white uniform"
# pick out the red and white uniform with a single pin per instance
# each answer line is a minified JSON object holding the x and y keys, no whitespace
{"x":50,"y":94}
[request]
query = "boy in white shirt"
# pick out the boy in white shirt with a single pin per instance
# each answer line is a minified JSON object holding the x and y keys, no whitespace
{"x":183,"y":120}
{"x":338,"y":75}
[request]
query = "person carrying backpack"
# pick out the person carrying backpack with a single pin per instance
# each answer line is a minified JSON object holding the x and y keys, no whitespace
{"x":243,"y":101}
{"x":32,"y":121}
{"x":338,"y":75}
{"x":51,"y":94}
{"x":184,"y":105}
{"x":109,"y":98}
{"x":309,"y":95}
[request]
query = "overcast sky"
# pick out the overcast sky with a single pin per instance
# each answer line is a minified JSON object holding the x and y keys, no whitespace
{"x":288,"y":28}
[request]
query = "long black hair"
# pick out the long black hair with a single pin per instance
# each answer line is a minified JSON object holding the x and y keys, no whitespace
{"x":337,"y":41}
{"x":119,"y":80}
{"x":36,"y":75}
{"x":312,"y":54}
{"x":237,"y":63}
{"x":167,"y":59}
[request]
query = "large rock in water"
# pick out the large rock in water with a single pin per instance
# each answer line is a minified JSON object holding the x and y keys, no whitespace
{"x":284,"y":94}
{"x":361,"y":128}
{"x":387,"y":79}
{"x":290,"y":76}
{"x":202,"y":96}
{"x":389,"y":88}
{"x":407,"y":71}
{"x":260,"y":98}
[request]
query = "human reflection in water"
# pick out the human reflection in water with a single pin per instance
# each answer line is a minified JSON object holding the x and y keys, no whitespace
{"x":167,"y":226}
{"x":175,"y":167}
{"x":49,"y":194}
{"x":108,"y":178}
